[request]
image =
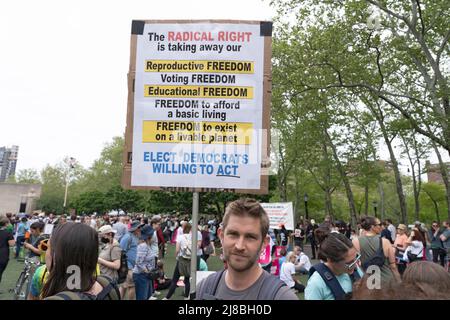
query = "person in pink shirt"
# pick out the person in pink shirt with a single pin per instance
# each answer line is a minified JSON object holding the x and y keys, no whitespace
{"x":400,"y":245}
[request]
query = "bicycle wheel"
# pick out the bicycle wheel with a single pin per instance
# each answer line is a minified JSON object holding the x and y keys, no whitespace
{"x":18,"y":285}
{"x":21,"y":290}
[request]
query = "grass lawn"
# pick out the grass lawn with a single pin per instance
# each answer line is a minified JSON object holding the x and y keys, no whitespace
{"x":214,"y":263}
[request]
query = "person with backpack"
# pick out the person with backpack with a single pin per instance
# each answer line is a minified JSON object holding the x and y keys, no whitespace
{"x":71,"y":261}
{"x":376,"y":251}
{"x":243,"y":236}
{"x":110,"y":252}
{"x":333,"y":278}
{"x":129,"y":244}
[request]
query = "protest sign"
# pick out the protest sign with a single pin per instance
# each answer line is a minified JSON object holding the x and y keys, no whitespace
{"x":198,"y":106}
{"x":280,"y":213}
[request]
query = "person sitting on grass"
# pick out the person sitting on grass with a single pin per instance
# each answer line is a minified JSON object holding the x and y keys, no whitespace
{"x":287,"y":272}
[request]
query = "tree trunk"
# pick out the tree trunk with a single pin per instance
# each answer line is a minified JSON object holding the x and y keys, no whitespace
{"x":398,"y":181}
{"x":298,"y":199}
{"x":348,"y":189}
{"x":328,"y":204}
{"x":382,"y":209}
{"x":366,"y":200}
{"x":445,"y":177}
{"x":414,"y":180}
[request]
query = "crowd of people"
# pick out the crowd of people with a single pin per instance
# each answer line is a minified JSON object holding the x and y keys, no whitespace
{"x":130,"y":248}
{"x":121,"y":256}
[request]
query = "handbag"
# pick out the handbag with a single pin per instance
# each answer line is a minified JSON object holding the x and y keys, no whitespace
{"x":412,"y":257}
{"x":153,"y":274}
{"x":208,"y":249}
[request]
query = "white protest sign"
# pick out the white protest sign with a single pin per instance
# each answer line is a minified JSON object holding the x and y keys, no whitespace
{"x":198,"y":110}
{"x":48,"y":229}
{"x":280,"y":213}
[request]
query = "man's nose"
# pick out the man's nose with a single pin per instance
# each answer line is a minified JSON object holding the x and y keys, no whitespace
{"x":239,"y":245}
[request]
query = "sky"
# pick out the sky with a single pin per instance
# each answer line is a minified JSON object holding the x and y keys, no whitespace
{"x":63,"y":70}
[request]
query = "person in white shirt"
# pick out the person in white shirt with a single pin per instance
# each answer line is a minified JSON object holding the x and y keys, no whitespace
{"x":180,"y":228}
{"x":302,"y":262}
{"x":287,"y":272}
{"x":415,"y":244}
{"x":392,"y":229}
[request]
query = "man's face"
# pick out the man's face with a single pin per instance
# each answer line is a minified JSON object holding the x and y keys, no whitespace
{"x":156,"y":226}
{"x":242,"y":242}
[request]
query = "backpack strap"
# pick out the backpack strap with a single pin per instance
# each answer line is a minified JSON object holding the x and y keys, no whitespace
{"x":209,"y":288}
{"x":380,"y":248}
{"x":329,"y":279}
{"x":67,"y":295}
{"x":270,"y":287}
{"x":110,"y":290}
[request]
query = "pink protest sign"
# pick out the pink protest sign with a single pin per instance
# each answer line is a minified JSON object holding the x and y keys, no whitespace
{"x":275,"y":269}
{"x":277,"y":250}
{"x":264,"y":257}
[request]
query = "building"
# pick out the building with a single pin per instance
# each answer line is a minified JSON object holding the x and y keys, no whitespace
{"x":8,"y":162}
{"x":434,"y":172}
{"x":19,"y":197}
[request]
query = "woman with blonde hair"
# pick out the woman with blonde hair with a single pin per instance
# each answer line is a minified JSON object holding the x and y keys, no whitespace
{"x":287,"y":272}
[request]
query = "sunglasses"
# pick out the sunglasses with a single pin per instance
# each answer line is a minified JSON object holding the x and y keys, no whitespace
{"x":354,"y":262}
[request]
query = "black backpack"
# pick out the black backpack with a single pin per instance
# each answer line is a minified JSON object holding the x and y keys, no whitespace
{"x":110,"y":292}
{"x":123,"y":270}
{"x":269,"y":289}
{"x":377,"y":259}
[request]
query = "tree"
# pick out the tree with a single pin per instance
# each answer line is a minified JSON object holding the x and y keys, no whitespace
{"x":90,"y":202}
{"x":27,"y":176}
{"x":118,"y":198}
{"x":436,"y":194}
{"x":53,"y":182}
{"x":400,"y":59}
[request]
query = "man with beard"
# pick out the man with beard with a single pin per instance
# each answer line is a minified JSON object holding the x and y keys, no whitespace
{"x":243,"y":236}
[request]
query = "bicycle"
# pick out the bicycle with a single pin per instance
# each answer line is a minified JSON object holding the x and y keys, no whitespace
{"x":22,"y":286}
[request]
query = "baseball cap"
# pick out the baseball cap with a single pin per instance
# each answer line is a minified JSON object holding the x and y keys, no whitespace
{"x":147,"y":232}
{"x":136,"y":224}
{"x":106,"y":229}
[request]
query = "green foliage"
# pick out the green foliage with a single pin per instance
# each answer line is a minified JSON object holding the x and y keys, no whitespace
{"x":27,"y":176}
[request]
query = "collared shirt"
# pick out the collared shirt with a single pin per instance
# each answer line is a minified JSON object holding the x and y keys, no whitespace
{"x":129,"y":244}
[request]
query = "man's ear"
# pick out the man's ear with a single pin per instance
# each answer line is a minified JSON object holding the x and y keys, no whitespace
{"x":265,"y":243}
{"x":220,"y":233}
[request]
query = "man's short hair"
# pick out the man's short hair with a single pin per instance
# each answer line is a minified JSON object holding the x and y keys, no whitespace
{"x":247,"y":208}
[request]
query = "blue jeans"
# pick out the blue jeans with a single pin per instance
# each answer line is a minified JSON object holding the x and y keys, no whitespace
{"x":19,"y":243}
{"x":143,"y":285}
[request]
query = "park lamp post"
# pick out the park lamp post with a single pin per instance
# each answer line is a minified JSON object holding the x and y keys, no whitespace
{"x":306,"y":206}
{"x":70,"y":165}
{"x":375,"y":205}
